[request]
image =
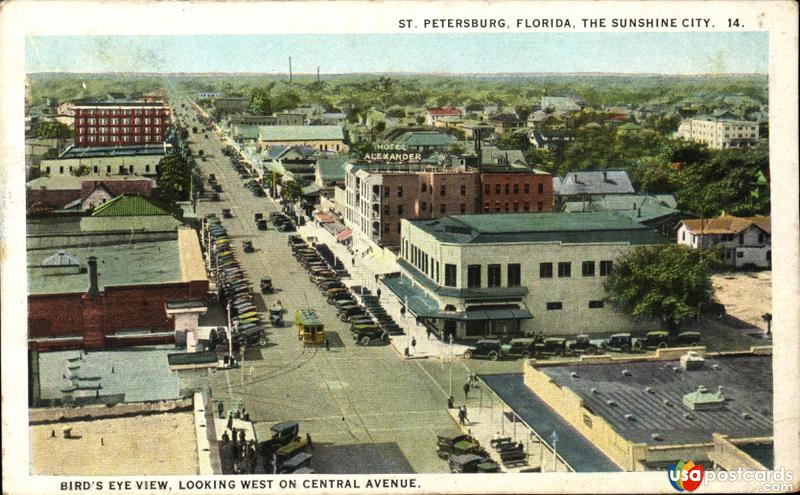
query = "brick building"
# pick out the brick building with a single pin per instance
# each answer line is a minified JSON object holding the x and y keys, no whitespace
{"x":111,"y":295}
{"x":121,"y":123}
{"x":505,"y":189}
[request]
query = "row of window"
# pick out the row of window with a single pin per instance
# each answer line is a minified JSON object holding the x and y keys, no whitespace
{"x":558,"y":305}
{"x":423,"y":206}
{"x":494,"y":275}
{"x":122,"y":111}
{"x":565,"y":269}
{"x":120,"y":130}
{"x":96,"y":169}
{"x":147,"y":138}
{"x":509,"y":206}
{"x":487,"y":189}
{"x":125,"y":121}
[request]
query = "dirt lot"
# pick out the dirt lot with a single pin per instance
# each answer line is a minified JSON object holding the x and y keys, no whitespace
{"x":159,"y":444}
{"x":746,"y":295}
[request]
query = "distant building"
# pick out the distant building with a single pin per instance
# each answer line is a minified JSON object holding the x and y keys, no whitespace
{"x":743,"y":240}
{"x":231,"y":105}
{"x":424,"y":140}
{"x":207,"y":95}
{"x":124,"y":160}
{"x":255,"y":120}
{"x":322,"y":137}
{"x":561,"y":104}
{"x":434,"y":114}
{"x":545,"y":273}
{"x":719,"y":133}
{"x":289,"y":118}
{"x":121,"y":123}
{"x":506,"y":122}
{"x":549,"y":139}
{"x":591,"y":185}
{"x":658,"y":212}
{"x":506,"y":189}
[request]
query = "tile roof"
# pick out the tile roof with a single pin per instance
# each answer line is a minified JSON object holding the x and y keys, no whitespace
{"x":727,"y":224}
{"x":128,"y":205}
{"x":591,"y":227}
{"x":444,"y":111}
{"x":594,"y":182}
{"x":300,"y":133}
{"x":118,"y":186}
{"x":746,"y":382}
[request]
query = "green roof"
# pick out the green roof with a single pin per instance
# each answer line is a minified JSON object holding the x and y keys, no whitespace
{"x":246,"y":132}
{"x":588,"y":227}
{"x":425,"y":138}
{"x":283,"y":133}
{"x":138,"y":223}
{"x":332,"y":168}
{"x":127,"y":206}
{"x":154,"y":262}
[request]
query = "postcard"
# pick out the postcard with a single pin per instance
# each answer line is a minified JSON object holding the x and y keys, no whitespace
{"x":400,"y":247}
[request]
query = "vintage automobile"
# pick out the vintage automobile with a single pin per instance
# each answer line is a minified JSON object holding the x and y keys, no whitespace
{"x":285,"y":442}
{"x":295,"y":463}
{"x":310,"y":329}
{"x":492,"y":349}
{"x":321,"y":276}
{"x":652,"y":340}
{"x":685,"y":339}
{"x":226,"y":213}
{"x":582,"y":345}
{"x":261,"y":224}
{"x":333,"y":283}
{"x":521,"y":347}
{"x":469,"y":463}
{"x":251,"y":336}
{"x":447,"y":446}
{"x":258,"y":216}
{"x":345,"y":312}
{"x":276,"y":314}
{"x":215,"y":197}
{"x":266,"y":285}
{"x":247,"y":247}
{"x":552,"y":346}
{"x":211,"y":178}
{"x":369,"y":334}
{"x":217,"y":188}
{"x":618,"y":342}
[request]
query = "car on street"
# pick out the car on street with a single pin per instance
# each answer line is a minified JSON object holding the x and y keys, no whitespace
{"x":583,"y":345}
{"x":652,"y":340}
{"x":369,"y":335}
{"x":486,"y":348}
{"x":266,"y":285}
{"x":685,"y":339}
{"x":247,"y":246}
{"x":261,"y":224}
{"x":552,"y":346}
{"x":226,"y":213}
{"x":618,"y":342}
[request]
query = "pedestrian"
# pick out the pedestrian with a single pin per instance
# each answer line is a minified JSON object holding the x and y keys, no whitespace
{"x":327,"y":344}
{"x":220,"y":407}
{"x":378,"y":292}
{"x":413,"y":344}
{"x":466,"y":390}
{"x":308,"y":441}
{"x":450,"y":402}
{"x":464,"y":408}
{"x":353,"y":261}
{"x":376,"y":280}
{"x":230,"y":422}
{"x":429,"y":331}
{"x":461,"y":415}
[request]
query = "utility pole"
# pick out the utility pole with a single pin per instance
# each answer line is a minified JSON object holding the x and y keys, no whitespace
{"x":318,"y":73}
{"x":290,"y":69}
{"x":230,"y":334}
{"x":451,"y":365}
{"x":555,"y":443}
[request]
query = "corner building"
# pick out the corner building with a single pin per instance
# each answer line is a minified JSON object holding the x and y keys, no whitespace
{"x":503,"y":275}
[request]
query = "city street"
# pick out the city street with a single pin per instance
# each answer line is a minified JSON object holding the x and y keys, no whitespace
{"x":367,"y":409}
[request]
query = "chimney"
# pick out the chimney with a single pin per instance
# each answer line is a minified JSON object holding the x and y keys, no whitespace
{"x":93,"y":291}
{"x":605,"y":176}
{"x":638,"y":212}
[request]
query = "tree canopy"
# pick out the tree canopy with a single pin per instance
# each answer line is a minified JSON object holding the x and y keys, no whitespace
{"x":53,"y":129}
{"x":671,"y":283}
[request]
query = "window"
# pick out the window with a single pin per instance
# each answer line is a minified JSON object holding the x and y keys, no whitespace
{"x":385,"y":209}
{"x":545,"y":270}
{"x":463,"y":189}
{"x":740,"y":254}
{"x":551,"y":306}
{"x":463,"y":208}
{"x":516,"y":188}
{"x":606,"y":266}
{"x":539,"y":206}
{"x":399,"y":210}
{"x":683,"y":235}
{"x":761,"y":238}
{"x":386,"y":227}
{"x":442,"y":208}
{"x":423,"y":206}
{"x":497,"y":206}
{"x":564,"y":269}
{"x":386,"y":191}
{"x":398,"y":227}
{"x":596,"y":304}
{"x":436,"y":273}
{"x":60,"y":170}
{"x":587,"y":268}
{"x":526,"y":206}
{"x":487,"y":207}
{"x":514,"y":275}
{"x":443,"y":190}
{"x":508,"y":188}
{"x":449,"y":275}
{"x":95,"y":169}
{"x":108,"y":169}
{"x":507,"y":205}
{"x":399,"y":191}
{"x":487,"y":190}
{"x":494,"y":275}
{"x":473,"y":276}
{"x":527,"y":188}
{"x":147,"y":168}
{"x":424,"y":187}
{"x":516,"y":205}
{"x":540,"y":188}
{"x":497,"y":188}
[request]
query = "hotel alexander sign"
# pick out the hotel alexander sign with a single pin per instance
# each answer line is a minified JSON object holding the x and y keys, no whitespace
{"x":393,"y":153}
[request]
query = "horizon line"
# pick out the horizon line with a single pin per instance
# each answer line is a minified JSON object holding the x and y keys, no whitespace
{"x":314,"y":74}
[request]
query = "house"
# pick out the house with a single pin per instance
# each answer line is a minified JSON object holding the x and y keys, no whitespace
{"x":297,"y":163}
{"x":434,"y":114}
{"x":549,"y":139}
{"x":506,"y":122}
{"x":744,"y":241}
{"x":97,"y":192}
{"x":545,"y":273}
{"x":230,"y":105}
{"x":591,"y":185}
{"x":659,"y":212}
{"x":561,"y":104}
{"x":286,"y":118}
{"x":424,"y":140}
{"x":322,"y":137}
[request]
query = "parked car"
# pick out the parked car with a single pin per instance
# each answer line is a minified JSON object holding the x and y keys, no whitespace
{"x":460,"y":444}
{"x":215,"y":197}
{"x":258,"y":216}
{"x":247,"y":246}
{"x":492,"y":349}
{"x":520,"y":347}
{"x":369,"y":334}
{"x":261,"y":224}
{"x":652,"y":340}
{"x":582,"y":345}
{"x":472,"y":463}
{"x":226,"y":213}
{"x":552,"y":346}
{"x":618,"y":342}
{"x":685,"y":339}
{"x":266,"y":285}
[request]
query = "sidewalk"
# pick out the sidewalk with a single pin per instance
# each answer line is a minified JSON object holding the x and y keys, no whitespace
{"x":363,"y":274}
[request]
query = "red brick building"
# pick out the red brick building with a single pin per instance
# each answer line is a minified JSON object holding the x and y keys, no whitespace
{"x":128,"y":123}
{"x":516,"y":191}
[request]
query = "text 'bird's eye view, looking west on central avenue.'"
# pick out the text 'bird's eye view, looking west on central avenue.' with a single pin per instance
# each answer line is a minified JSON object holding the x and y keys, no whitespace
{"x":280,"y":254}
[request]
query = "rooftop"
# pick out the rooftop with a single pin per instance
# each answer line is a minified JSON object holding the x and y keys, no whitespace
{"x":300,"y":132}
{"x":154,"y":262}
{"x":119,"y":103}
{"x":332,"y":168}
{"x":592,"y":227}
{"x":594,"y":182}
{"x":746,"y":381}
{"x":127,"y":206}
{"x":65,"y":182}
{"x":727,"y":224}
{"x":109,"y":151}
{"x":425,"y":138}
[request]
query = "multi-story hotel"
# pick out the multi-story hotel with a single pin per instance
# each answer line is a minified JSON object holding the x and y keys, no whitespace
{"x":121,"y":123}
{"x":719,"y":133}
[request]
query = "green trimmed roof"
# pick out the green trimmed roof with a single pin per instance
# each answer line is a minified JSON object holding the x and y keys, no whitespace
{"x":425,"y":138}
{"x":128,"y":206}
{"x":246,"y":132}
{"x":591,"y":227}
{"x":300,"y":133}
{"x":333,"y":168}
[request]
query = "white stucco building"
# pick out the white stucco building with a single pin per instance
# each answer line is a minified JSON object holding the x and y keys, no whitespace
{"x":743,"y":240}
{"x":719,"y":133}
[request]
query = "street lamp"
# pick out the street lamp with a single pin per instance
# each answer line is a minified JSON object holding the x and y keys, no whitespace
{"x":451,"y":364}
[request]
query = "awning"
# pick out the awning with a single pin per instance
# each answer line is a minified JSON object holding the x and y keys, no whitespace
{"x":334,"y":228}
{"x":418,"y":302}
{"x":344,"y":235}
{"x":324,"y":217}
{"x":475,"y":314}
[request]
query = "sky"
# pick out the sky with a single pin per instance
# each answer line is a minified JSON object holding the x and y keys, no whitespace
{"x":663,"y":53}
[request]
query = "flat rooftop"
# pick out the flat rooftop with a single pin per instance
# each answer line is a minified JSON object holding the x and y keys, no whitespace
{"x":112,"y":151}
{"x":746,"y":382}
{"x":158,"y":444}
{"x":592,"y":227}
{"x":140,"y":374}
{"x":61,"y":182}
{"x":121,"y":264}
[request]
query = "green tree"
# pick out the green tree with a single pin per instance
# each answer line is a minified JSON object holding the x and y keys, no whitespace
{"x":513,"y":141}
{"x":261,"y":99}
{"x":671,"y":283}
{"x":174,"y":178}
{"x":291,"y":190}
{"x":53,"y":130}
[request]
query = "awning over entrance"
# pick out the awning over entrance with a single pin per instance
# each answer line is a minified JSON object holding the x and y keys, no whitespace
{"x":324,"y":217}
{"x":344,"y":235}
{"x":476,"y":314}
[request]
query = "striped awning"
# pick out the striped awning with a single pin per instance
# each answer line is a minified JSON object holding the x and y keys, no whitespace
{"x":344,"y":235}
{"x":324,"y":217}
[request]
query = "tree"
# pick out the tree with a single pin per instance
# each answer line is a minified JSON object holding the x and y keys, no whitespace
{"x":174,"y":178}
{"x":53,"y":130}
{"x":291,"y":190}
{"x":670,"y":282}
